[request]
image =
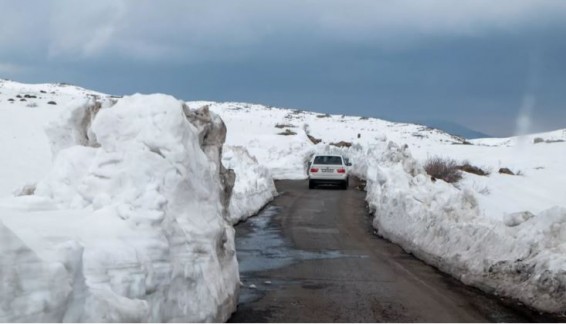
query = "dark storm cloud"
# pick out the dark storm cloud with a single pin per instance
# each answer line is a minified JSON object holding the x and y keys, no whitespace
{"x":400,"y":60}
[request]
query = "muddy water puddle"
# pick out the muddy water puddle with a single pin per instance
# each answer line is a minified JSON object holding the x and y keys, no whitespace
{"x":261,"y":247}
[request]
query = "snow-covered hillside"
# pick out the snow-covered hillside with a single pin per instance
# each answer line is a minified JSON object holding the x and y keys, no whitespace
{"x":25,"y":109}
{"x":278,"y":137}
{"x":503,"y":233}
{"x":268,"y":134}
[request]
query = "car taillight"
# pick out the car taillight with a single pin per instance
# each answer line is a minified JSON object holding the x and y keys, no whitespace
{"x":341,"y":170}
{"x":314,"y":170}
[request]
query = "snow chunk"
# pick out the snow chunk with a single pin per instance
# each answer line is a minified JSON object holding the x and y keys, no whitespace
{"x":73,"y":126}
{"x":515,"y":219}
{"x":140,"y":188}
{"x":32,"y":289}
{"x":254,"y":186}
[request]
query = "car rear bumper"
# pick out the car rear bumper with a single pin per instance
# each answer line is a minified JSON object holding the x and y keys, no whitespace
{"x":329,"y":179}
{"x":328,"y":182}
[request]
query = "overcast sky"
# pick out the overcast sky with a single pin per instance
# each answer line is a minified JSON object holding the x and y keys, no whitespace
{"x":481,"y":63}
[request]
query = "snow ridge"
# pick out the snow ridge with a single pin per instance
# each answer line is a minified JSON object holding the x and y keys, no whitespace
{"x":445,"y":226}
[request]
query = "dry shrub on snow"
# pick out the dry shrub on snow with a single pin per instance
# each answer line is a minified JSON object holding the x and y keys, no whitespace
{"x":284,"y":126}
{"x":314,"y":140}
{"x":287,"y":132}
{"x":467,"y":167}
{"x":506,"y":171}
{"x":445,"y":169}
{"x":342,"y":144}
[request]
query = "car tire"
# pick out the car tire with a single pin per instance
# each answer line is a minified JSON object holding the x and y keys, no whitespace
{"x":345,"y":185}
{"x":311,"y":184}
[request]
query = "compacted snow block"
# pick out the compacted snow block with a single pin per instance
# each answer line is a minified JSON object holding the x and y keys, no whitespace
{"x":254,"y":186}
{"x":522,"y":256}
{"x":31,"y":289}
{"x":131,"y":224}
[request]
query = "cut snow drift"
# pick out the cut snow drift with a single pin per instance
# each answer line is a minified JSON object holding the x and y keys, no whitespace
{"x":253,"y":188}
{"x":522,"y":256}
{"x":130,"y":224}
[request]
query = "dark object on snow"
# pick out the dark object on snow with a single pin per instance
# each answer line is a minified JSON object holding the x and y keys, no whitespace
{"x":284,"y":126}
{"x":473,"y":169}
{"x":287,"y":132}
{"x":51,"y":103}
{"x":314,"y":140}
{"x":555,"y":141}
{"x":506,"y":171}
{"x":342,"y":144}
{"x":361,"y":186}
{"x":444,"y":169}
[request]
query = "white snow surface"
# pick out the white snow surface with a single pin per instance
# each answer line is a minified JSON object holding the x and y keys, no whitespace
{"x":254,"y":186}
{"x":126,"y":224}
{"x":505,"y":234}
{"x":26,"y":152}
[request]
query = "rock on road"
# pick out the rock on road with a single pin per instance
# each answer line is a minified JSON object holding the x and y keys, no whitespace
{"x":311,"y":256}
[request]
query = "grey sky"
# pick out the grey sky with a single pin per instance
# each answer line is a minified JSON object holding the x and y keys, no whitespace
{"x":473,"y":62}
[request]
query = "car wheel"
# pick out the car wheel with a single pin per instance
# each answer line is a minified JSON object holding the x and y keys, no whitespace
{"x":345,"y":185}
{"x":311,"y":184}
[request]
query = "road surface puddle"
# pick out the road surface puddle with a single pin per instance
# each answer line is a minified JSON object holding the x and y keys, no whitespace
{"x":261,"y":247}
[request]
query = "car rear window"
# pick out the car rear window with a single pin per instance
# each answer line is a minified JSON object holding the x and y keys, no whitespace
{"x":327,"y":160}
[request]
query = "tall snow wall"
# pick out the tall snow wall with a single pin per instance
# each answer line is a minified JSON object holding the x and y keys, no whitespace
{"x":131,"y":224}
{"x":445,"y":226}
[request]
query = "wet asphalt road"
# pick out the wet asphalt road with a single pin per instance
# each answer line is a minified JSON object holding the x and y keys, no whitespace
{"x":311,"y":256}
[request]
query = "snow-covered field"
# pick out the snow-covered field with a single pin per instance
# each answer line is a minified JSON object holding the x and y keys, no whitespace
{"x":125,"y":209}
{"x":259,"y":129}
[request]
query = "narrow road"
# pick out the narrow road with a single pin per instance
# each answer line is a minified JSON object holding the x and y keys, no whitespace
{"x":311,"y":256}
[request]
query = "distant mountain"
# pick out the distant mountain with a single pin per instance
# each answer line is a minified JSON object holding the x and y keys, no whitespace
{"x":454,"y":128}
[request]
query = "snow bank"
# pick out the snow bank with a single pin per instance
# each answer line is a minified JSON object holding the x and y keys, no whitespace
{"x":520,"y":255}
{"x":254,"y":186}
{"x":130,"y":224}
